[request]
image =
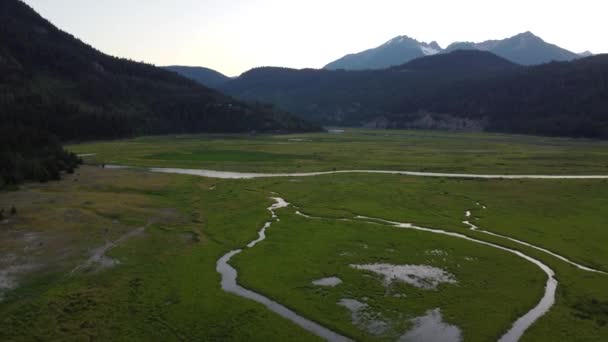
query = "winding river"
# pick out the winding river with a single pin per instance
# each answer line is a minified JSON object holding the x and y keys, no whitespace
{"x":544,"y":250}
{"x":229,"y":284}
{"x":249,"y":175}
{"x":229,"y":279}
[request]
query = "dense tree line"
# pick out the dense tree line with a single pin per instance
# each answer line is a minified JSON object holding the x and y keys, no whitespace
{"x":31,"y":154}
{"x":54,"y":86}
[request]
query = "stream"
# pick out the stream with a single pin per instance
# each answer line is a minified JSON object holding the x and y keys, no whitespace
{"x":229,"y":284}
{"x":229,"y":279}
{"x":523,"y":323}
{"x":544,"y":250}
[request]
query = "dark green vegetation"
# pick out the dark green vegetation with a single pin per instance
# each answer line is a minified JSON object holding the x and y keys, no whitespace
{"x":29,"y":154}
{"x":430,"y":151}
{"x":204,"y":76}
{"x":54,"y":85}
{"x":54,"y":81}
{"x":462,"y":90}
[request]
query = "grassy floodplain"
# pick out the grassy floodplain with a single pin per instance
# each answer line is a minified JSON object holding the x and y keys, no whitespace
{"x":163,"y":280}
{"x":429,"y":151}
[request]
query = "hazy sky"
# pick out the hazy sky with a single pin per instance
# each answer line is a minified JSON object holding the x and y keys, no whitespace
{"x":233,"y":36}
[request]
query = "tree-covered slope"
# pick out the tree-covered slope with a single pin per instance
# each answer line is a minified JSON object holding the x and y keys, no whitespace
{"x":54,"y":85}
{"x":55,"y":81}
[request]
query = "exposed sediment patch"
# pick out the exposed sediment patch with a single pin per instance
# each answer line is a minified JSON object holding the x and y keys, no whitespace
{"x":364,"y":318}
{"x":99,"y":259}
{"x":329,"y":281}
{"x":421,"y":276}
{"x":8,"y":277}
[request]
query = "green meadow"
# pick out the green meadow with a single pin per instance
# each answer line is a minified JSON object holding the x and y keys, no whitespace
{"x":158,"y":278}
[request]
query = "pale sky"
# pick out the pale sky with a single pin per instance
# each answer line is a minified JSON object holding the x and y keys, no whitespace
{"x":232,"y":36}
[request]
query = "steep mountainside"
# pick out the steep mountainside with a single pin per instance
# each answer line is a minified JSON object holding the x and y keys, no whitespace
{"x":56,"y":81}
{"x":205,"y":76}
{"x":524,"y":48}
{"x":394,"y":52}
{"x":54,"y":85}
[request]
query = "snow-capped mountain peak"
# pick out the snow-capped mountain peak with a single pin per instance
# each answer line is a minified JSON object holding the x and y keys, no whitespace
{"x":427,"y":50}
{"x":525,"y":48}
{"x":399,"y":40}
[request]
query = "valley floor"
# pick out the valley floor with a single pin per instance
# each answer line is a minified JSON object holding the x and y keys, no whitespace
{"x":128,"y":254}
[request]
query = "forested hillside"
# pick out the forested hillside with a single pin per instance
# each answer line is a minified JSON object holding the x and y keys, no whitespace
{"x":55,"y":86}
{"x":556,"y":99}
{"x":464,"y":89}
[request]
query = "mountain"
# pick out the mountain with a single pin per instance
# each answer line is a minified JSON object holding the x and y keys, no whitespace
{"x":56,"y":88}
{"x":586,"y":54}
{"x":458,"y":61}
{"x":343,"y":97}
{"x":394,"y":52}
{"x":524,"y":48}
{"x":205,"y":76}
{"x":463,"y":89}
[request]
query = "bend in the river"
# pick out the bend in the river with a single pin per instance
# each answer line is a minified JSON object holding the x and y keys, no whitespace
{"x":524,"y":322}
{"x":473,"y":227}
{"x":229,"y":284}
{"x":229,"y":280}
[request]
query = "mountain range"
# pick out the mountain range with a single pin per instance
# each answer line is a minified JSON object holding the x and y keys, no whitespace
{"x":525,"y":48}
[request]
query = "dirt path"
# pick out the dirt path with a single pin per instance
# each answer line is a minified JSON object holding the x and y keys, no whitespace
{"x":98,"y":255}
